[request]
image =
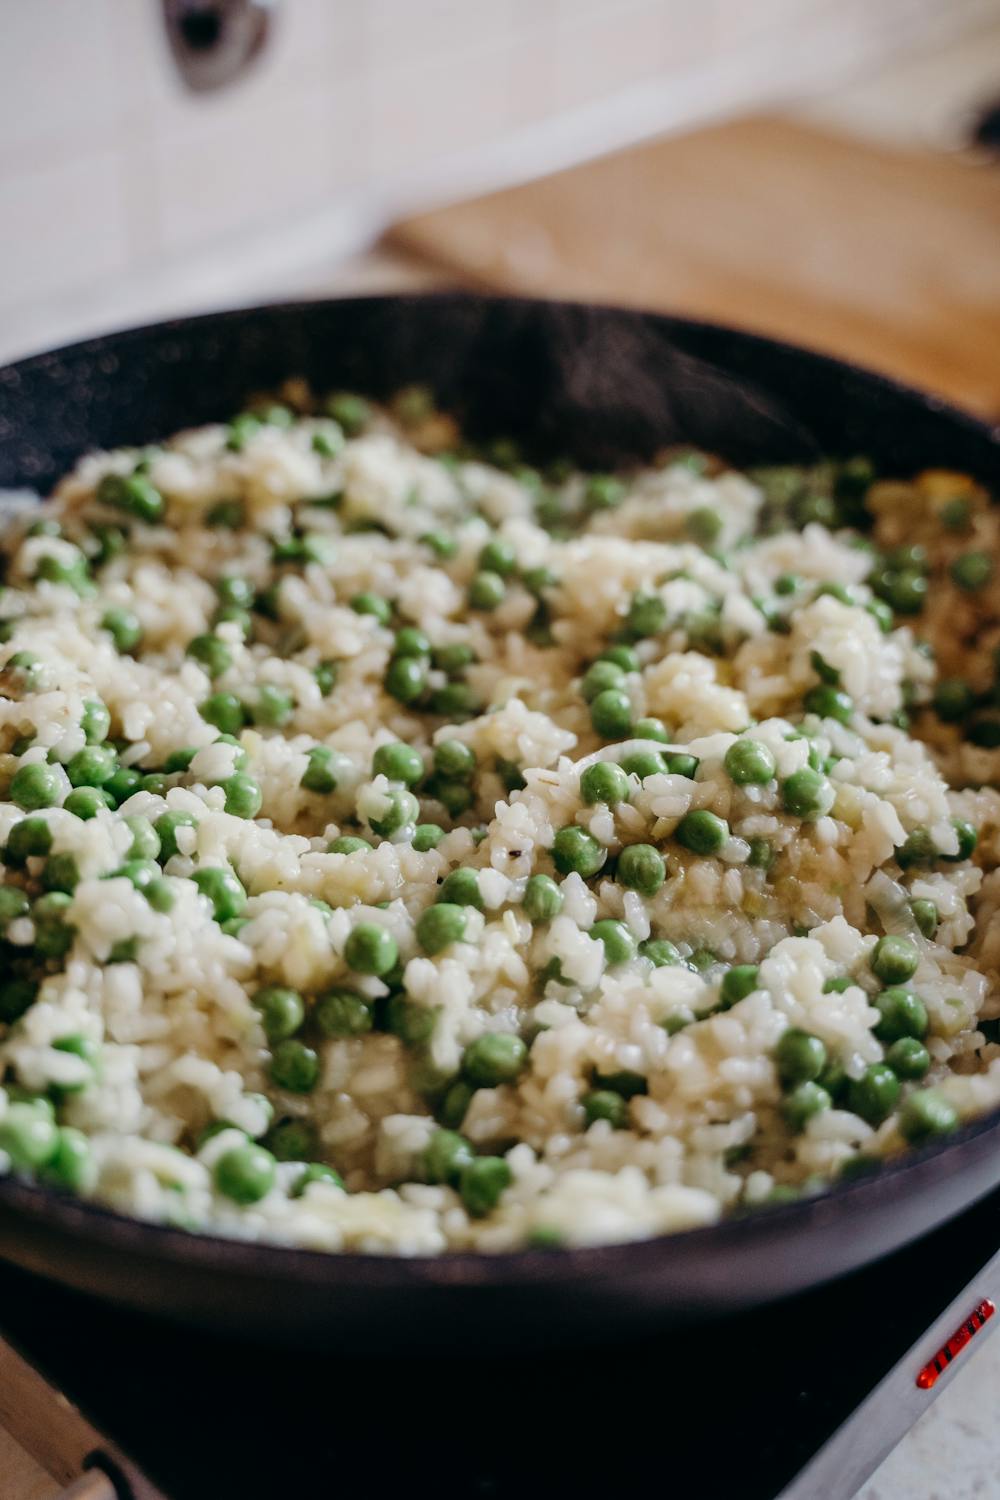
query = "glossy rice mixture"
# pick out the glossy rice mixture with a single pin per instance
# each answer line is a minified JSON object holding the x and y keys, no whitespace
{"x":406,"y":850}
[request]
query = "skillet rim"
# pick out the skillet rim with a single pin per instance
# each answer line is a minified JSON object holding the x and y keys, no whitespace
{"x":897,"y":1180}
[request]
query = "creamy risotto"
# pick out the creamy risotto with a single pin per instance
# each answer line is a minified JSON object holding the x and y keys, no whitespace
{"x":405,"y":849}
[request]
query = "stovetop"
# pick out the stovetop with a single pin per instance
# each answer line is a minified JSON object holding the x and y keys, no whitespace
{"x":802,"y":1399}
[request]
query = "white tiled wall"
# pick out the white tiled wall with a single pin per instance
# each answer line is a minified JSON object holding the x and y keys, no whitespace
{"x":123,"y":197}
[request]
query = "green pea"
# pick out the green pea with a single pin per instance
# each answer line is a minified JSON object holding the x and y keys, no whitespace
{"x":642,"y":868}
{"x":95,"y":721}
{"x":454,"y":759}
{"x":650,"y":729}
{"x":294,"y":1067}
{"x":236,"y":591}
{"x":124,"y":628}
{"x":575,"y":851}
{"x":351,"y":412}
{"x":605,"y":1104}
{"x":446,"y":1157}
{"x":139,"y":872}
{"x":406,"y":678}
{"x":894,"y":959}
{"x":292,"y":1140}
{"x":482,"y":1184}
{"x":543,"y":899}
{"x":326,"y":674}
{"x":398,"y":762}
{"x":829,"y":703}
{"x":799,"y":1056}
{"x":601,"y":677}
{"x":17,"y":996}
{"x":61,"y":873}
{"x":166,"y":827}
{"x":427,"y":836}
{"x":145,"y":840}
{"x":659,"y":952}
{"x":53,"y":934}
{"x":925,"y":1115}
{"x":71,"y":1165}
{"x":968,"y":838}
{"x":618,"y":942}
{"x":611,"y":714}
{"x":372,"y":604}
{"x":272,"y":706}
{"x":402,"y":808}
{"x":211,"y":653}
{"x":160,"y":894}
{"x":748,"y":763}
{"x":487,"y":590}
{"x":13,"y":904}
{"x":316,"y":1171}
{"x":498,"y":557}
{"x":737,"y":983}
{"x":908,"y":1058}
{"x":702,"y":832}
{"x":223,"y":890}
{"x":604,"y":782}
{"x":873,"y":1096}
{"x":703,"y":525}
{"x":807,"y":793}
{"x":319,"y":775}
{"x":85,"y":802}
{"x":371,"y":949}
{"x":93,"y":766}
{"x":412,"y":1023}
{"x":341,"y":1013}
{"x":603,"y":492}
{"x":972,"y":570}
{"x":905,"y":590}
{"x":461,"y":888}
{"x":683,"y":765}
{"x":28,"y":1136}
{"x":243,"y":795}
{"x":411,"y":642}
{"x":494,"y":1058}
{"x":455,"y":1104}
{"x":882,"y":613}
{"x":133,"y":494}
{"x":623,"y":657}
{"x":804,"y":1101}
{"x":440,"y":543}
{"x":440,"y":926}
{"x":647,"y":615}
{"x":225,"y":711}
{"x":926,"y":916}
{"x":35,"y":785}
{"x":29,"y":839}
{"x":347,"y":844}
{"x":73,"y":574}
{"x":643,"y":763}
{"x":246,"y":1174}
{"x":902,"y":1014}
{"x":282,"y":1011}
{"x":455,"y":701}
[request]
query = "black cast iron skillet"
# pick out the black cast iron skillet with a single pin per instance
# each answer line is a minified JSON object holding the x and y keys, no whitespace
{"x":604,"y":385}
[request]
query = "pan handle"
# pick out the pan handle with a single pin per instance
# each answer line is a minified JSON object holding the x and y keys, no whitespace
{"x":213,"y":41}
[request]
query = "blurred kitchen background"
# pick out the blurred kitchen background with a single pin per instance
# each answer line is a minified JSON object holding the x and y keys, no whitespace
{"x":791,"y":165}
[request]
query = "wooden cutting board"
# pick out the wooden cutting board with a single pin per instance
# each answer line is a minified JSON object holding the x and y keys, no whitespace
{"x":887,"y":257}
